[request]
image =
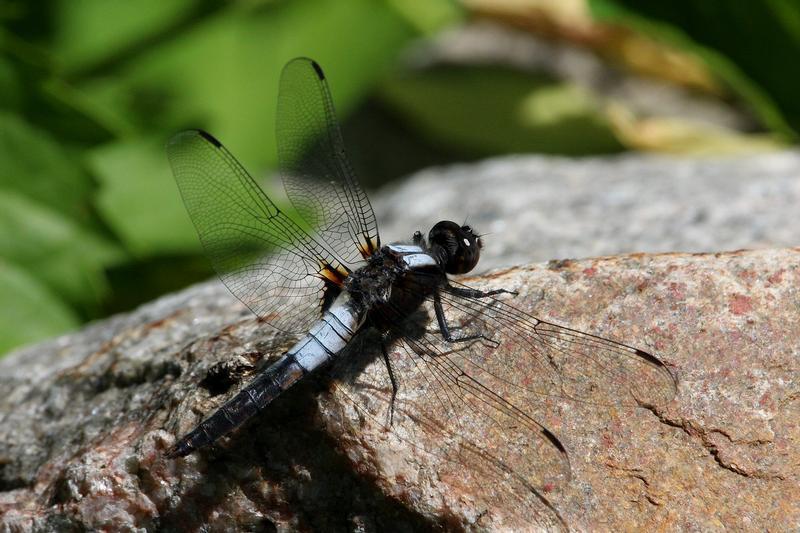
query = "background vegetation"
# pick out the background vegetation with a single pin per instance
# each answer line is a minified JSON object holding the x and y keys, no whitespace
{"x":90,"y":90}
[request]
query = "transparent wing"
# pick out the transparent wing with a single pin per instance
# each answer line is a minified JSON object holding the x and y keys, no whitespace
{"x":552,"y":360}
{"x":316,"y":173}
{"x":447,"y":391}
{"x":467,"y":468}
{"x":493,"y":401}
{"x":266,"y":260}
{"x":472,"y":433}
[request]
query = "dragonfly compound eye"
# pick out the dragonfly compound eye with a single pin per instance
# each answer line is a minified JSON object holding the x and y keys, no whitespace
{"x":462,"y":246}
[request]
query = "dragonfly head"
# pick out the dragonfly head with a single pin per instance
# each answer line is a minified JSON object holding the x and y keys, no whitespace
{"x":460,"y":245}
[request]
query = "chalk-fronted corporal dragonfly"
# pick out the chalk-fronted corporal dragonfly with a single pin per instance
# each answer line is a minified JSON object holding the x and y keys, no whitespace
{"x":329,"y":279}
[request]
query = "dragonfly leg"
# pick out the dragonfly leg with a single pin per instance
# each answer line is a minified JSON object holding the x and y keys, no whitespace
{"x":391,"y":377}
{"x":475,"y":293}
{"x":444,"y":329}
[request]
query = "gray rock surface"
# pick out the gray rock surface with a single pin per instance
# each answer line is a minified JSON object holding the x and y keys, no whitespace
{"x":542,"y":208}
{"x":85,"y":418}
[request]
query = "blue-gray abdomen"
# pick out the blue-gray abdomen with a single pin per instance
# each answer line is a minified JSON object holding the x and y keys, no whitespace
{"x":329,"y":335}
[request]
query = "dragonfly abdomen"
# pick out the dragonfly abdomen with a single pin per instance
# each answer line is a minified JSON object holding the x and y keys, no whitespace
{"x":326,"y":338}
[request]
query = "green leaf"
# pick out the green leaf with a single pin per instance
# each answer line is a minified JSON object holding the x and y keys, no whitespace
{"x":67,"y":258}
{"x":68,"y":113}
{"x":29,"y":311}
{"x":91,"y":31}
{"x":752,"y":46}
{"x":30,"y":87}
{"x":11,"y":90}
{"x":221,"y":73}
{"x":491,"y":110}
{"x":34,"y":164}
{"x":138,"y":198}
{"x":429,"y":16}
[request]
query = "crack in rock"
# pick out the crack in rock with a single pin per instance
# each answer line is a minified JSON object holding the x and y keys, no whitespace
{"x":703,"y":434}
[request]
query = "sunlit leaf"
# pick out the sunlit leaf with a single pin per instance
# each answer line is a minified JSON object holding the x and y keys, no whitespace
{"x":67,"y":258}
{"x":683,"y":136}
{"x":429,"y":16}
{"x":222,"y":73}
{"x":30,"y":311}
{"x":90,"y":31}
{"x":34,"y":164}
{"x":139,"y":200}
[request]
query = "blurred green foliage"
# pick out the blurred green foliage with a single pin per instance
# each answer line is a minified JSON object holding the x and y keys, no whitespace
{"x":91,"y":221}
{"x":90,"y":90}
{"x":509,"y":111}
{"x":752,"y":46}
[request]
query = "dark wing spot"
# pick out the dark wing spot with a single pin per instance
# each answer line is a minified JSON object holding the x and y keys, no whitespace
{"x":210,"y":138}
{"x":318,"y":69}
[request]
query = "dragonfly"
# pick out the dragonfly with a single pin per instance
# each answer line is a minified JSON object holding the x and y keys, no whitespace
{"x":324,"y":276}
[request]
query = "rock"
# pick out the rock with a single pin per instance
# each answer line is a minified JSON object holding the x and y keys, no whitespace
{"x":721,"y":455}
{"x":542,"y":208}
{"x":86,"y":417}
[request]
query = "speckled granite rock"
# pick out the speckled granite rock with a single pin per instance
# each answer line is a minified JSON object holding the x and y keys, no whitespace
{"x":722,"y":455}
{"x":86,"y":417}
{"x":543,"y":208}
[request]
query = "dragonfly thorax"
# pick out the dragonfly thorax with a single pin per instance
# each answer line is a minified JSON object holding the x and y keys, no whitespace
{"x":372,"y":284}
